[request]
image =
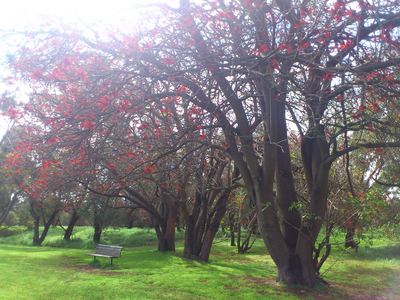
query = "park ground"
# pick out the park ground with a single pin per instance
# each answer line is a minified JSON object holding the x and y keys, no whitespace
{"x":60,"y":270}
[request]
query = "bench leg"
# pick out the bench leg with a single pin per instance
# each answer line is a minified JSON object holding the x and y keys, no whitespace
{"x":111,"y":260}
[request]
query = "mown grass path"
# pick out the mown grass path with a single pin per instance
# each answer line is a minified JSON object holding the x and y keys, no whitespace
{"x":28,"y":272}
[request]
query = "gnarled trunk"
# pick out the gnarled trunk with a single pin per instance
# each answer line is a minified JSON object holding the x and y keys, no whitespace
{"x":290,"y":241}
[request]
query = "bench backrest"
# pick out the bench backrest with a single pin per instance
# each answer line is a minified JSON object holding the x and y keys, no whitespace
{"x":114,"y":251}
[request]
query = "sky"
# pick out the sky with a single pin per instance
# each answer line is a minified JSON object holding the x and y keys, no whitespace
{"x":16,"y":15}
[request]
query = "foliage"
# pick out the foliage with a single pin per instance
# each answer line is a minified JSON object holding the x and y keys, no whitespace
{"x":11,"y":230}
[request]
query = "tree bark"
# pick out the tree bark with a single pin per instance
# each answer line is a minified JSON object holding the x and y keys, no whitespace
{"x":10,"y":205}
{"x":350,"y":241}
{"x":198,"y":237}
{"x":166,"y":230}
{"x":72,"y":221}
{"x":232,"y":229}
{"x":37,"y":237}
{"x":98,"y":229}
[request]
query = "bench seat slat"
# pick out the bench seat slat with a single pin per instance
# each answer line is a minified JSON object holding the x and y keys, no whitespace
{"x":102,"y":255}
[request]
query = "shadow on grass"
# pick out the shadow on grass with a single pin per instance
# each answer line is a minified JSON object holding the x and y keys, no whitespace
{"x":374,"y":253}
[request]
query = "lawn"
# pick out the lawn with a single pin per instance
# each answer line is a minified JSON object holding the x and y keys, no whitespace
{"x":64,"y":271}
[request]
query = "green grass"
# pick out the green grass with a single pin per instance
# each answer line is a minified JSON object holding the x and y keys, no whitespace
{"x":82,"y":237}
{"x":28,"y":272}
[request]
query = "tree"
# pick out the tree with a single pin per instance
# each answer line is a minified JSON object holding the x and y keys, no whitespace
{"x":8,"y":193}
{"x":250,"y":67}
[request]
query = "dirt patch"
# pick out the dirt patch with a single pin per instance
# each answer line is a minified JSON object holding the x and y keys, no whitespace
{"x":231,"y":287}
{"x":68,"y":263}
{"x":95,"y":270}
{"x":323,"y":293}
{"x":261,"y":280}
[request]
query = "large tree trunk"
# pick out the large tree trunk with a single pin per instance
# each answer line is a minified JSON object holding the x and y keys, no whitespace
{"x":166,"y":230}
{"x":72,"y":221}
{"x":289,"y":240}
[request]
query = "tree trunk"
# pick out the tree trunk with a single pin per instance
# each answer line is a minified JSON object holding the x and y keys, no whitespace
{"x":188,"y":248}
{"x":36,"y":236}
{"x":199,"y":238}
{"x":10,"y":205}
{"x":245,"y":245}
{"x":232,"y":228}
{"x":350,"y":241}
{"x":97,"y":232}
{"x":72,"y":221}
{"x":129,"y":219}
{"x":47,"y":225}
{"x":166,"y":231}
{"x":232,"y":235}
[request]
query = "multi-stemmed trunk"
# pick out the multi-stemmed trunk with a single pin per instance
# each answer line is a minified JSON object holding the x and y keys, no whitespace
{"x":291,"y":251}
{"x":202,"y":225}
{"x":38,"y":237}
{"x":245,"y":244}
{"x":289,"y":238}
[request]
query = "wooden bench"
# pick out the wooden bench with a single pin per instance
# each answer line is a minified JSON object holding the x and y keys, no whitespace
{"x":108,"y":251}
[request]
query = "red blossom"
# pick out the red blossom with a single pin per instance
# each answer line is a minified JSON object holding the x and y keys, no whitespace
{"x":374,"y":107}
{"x":149,"y":169}
{"x":182,"y":89}
{"x":111,"y":166}
{"x":327,"y":76}
{"x":263,"y":48}
{"x":169,"y":61}
{"x":304,"y":45}
{"x":345,"y":45}
{"x":274,"y":64}
{"x":12,"y":113}
{"x":130,"y":155}
{"x":104,"y":103}
{"x":362,"y":108}
{"x":87,"y":124}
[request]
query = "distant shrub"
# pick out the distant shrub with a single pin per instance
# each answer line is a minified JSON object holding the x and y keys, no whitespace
{"x":12,"y":230}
